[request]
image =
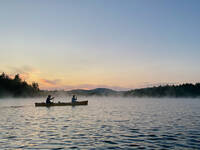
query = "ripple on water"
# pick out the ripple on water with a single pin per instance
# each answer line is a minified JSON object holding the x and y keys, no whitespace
{"x":104,"y":124}
{"x":109,"y":142}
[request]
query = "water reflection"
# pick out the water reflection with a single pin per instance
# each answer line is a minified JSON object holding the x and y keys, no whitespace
{"x":106,"y":123}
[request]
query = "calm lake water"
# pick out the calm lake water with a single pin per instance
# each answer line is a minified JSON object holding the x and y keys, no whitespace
{"x":106,"y":123}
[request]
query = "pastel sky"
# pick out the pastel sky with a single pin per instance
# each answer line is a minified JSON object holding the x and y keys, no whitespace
{"x":118,"y":44}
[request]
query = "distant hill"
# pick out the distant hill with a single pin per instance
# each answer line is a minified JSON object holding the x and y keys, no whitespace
{"x":94,"y":92}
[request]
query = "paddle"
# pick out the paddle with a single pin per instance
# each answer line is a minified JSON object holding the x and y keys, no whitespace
{"x":52,"y":99}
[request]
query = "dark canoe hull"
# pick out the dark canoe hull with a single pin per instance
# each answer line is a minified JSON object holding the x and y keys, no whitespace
{"x":62,"y":104}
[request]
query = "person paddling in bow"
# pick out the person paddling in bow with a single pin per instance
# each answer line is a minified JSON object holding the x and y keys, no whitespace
{"x":74,"y":98}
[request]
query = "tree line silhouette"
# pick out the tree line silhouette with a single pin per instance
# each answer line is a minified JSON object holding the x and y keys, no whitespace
{"x":183,"y":90}
{"x":16,"y":87}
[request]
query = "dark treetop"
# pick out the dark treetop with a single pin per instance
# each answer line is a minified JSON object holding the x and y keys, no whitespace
{"x":16,"y":87}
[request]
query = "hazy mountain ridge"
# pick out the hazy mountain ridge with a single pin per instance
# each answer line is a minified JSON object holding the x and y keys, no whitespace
{"x":16,"y":87}
{"x":96,"y":92}
{"x":182,"y":90}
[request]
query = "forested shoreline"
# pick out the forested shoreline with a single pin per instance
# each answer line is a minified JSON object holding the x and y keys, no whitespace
{"x":16,"y":87}
{"x":182,"y":90}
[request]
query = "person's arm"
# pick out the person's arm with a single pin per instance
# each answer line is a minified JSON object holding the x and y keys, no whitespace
{"x":52,"y":98}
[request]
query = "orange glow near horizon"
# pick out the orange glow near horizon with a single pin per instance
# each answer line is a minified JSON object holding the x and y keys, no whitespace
{"x":91,"y":79}
{"x":86,"y":81}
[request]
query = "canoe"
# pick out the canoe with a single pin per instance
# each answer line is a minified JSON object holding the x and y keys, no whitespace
{"x":61,"y":104}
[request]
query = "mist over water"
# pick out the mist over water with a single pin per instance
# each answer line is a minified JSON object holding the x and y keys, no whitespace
{"x":106,"y":123}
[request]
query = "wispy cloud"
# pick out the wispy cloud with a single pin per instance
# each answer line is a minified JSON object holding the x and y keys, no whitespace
{"x":26,"y":72}
{"x":50,"y":82}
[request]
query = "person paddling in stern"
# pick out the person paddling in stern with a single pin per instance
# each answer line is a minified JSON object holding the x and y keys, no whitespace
{"x":49,"y":98}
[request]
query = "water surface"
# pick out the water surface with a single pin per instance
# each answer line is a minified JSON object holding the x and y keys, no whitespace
{"x":106,"y":123}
